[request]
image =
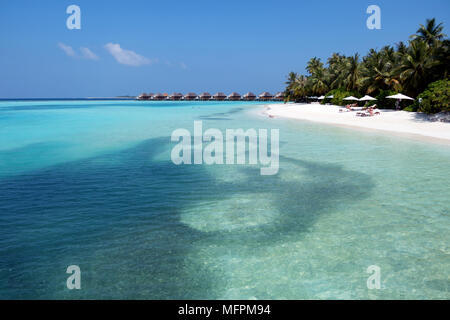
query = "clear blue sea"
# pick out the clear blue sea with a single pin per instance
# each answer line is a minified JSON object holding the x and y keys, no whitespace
{"x":91,"y":183}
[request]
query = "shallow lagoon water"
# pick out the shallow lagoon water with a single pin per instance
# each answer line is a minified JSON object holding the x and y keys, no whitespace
{"x":92,"y":184}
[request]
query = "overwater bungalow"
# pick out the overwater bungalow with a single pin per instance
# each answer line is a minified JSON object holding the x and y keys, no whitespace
{"x":190,"y":96}
{"x":143,"y":96}
{"x":205,"y":96}
{"x":249,"y":96}
{"x":279,"y":96}
{"x":175,"y":96}
{"x":159,"y":97}
{"x":220,"y":96}
{"x":265,"y":96}
{"x":234,"y":96}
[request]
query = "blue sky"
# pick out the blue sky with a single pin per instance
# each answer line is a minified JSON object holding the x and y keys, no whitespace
{"x":129,"y":47}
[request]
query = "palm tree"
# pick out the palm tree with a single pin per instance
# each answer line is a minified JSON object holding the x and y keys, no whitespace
{"x":415,"y":68}
{"x":354,"y":73}
{"x":335,"y":64}
{"x":401,"y":47}
{"x":301,"y":87}
{"x":431,"y":32}
{"x":349,"y":73}
{"x":296,"y":87}
{"x":314,"y":65}
{"x":442,"y":57}
{"x":389,"y":56}
{"x":377,"y":73}
{"x":317,"y":80}
{"x":389,"y":60}
{"x":291,"y":78}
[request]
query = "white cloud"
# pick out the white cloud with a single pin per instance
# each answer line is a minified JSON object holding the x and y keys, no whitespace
{"x":126,"y":57}
{"x":88,"y":54}
{"x":67,"y":49}
{"x":183,"y":65}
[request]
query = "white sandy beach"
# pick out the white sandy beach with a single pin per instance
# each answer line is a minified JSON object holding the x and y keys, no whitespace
{"x":401,"y":122}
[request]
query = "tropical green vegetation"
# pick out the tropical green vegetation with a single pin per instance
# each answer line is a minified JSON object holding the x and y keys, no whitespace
{"x":435,"y":98}
{"x":408,"y":68}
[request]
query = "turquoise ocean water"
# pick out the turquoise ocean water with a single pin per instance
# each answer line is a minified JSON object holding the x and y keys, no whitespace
{"x":91,"y":183}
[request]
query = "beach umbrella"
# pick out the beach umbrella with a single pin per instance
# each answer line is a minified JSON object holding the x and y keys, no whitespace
{"x":330,"y":97}
{"x":367,"y":98}
{"x":351,"y":98}
{"x":321,"y":97}
{"x":400,"y":96}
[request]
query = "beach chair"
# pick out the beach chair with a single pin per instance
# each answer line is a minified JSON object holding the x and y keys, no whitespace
{"x":347,"y":108}
{"x":370,"y":113}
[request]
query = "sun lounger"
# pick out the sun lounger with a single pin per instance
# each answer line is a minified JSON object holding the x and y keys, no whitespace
{"x":369,"y":113}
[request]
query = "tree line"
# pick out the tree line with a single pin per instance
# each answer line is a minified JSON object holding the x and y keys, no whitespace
{"x":408,"y":68}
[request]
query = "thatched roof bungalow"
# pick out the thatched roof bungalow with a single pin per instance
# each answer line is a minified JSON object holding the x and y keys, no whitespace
{"x":158,"y":96}
{"x":143,"y":96}
{"x":249,"y":96}
{"x":190,"y":96}
{"x":205,"y":96}
{"x":234,"y":96}
{"x":175,"y":96}
{"x":279,"y":96}
{"x":220,"y":96}
{"x":265,"y":96}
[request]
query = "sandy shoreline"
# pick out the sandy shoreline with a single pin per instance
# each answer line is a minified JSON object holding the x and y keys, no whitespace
{"x":400,"y":122}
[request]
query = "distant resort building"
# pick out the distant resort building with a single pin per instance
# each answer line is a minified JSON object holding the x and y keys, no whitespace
{"x":143,"y":96}
{"x":234,"y":96}
{"x":175,"y":96}
{"x":190,"y":96}
{"x":249,"y":96}
{"x":279,"y":96}
{"x":159,"y":97}
{"x":265,"y":96}
{"x":205,"y":96}
{"x":219,"y":96}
